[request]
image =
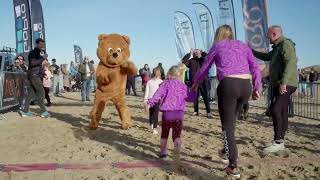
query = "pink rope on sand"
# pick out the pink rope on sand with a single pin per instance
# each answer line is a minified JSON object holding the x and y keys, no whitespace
{"x":147,"y":164}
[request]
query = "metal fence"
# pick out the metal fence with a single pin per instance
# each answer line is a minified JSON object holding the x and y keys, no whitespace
{"x":305,"y":101}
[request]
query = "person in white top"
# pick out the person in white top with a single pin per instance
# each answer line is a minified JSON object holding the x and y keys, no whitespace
{"x":151,"y":87}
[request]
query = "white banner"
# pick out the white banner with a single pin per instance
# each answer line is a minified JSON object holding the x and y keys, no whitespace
{"x":184,"y":32}
{"x":226,"y":15}
{"x":205,"y":21}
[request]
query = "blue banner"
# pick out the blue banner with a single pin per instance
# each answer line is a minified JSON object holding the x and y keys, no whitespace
{"x":23,"y":27}
{"x":38,"y":30}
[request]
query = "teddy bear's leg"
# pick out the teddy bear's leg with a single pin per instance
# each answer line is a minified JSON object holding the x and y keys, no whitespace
{"x":96,"y":113}
{"x":123,"y":111}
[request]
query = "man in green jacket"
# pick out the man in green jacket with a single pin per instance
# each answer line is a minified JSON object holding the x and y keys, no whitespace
{"x":283,"y":77}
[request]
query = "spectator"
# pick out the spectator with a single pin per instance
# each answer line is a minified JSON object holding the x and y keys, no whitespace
{"x":163,"y":75}
{"x":194,"y":61}
{"x":145,"y":76}
{"x":55,"y":71}
{"x":313,"y":77}
{"x":283,"y":77}
{"x":86,"y":70}
{"x":302,"y":82}
{"x":47,"y":83}
{"x":66,"y":77}
{"x":93,"y":80}
{"x":73,"y":70}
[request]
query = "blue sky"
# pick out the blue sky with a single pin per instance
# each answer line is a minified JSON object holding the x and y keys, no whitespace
{"x":149,"y":23}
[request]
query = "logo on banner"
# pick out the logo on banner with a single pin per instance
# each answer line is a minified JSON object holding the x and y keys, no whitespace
{"x":22,"y":28}
{"x":38,"y":31}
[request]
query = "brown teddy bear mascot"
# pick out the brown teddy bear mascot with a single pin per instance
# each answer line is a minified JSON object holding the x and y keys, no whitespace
{"x":113,"y":52}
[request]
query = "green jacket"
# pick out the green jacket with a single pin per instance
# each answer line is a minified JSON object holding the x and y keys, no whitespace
{"x":283,"y":62}
{"x":83,"y":71}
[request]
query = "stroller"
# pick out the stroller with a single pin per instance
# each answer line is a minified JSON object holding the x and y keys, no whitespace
{"x":76,"y":83}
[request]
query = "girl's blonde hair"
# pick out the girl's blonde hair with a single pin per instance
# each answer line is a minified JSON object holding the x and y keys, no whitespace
{"x":156,"y":72}
{"x":222,"y":33}
{"x":174,"y":72}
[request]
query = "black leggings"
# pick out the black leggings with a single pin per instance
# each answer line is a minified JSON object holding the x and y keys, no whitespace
{"x":154,"y":115}
{"x":233,"y":93}
{"x":204,"y":93}
{"x":46,"y":91}
{"x":279,"y":111}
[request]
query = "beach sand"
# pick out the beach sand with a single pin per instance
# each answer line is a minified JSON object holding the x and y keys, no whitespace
{"x":112,"y":153}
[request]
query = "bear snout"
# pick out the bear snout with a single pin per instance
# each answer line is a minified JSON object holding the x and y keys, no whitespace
{"x":115,"y":55}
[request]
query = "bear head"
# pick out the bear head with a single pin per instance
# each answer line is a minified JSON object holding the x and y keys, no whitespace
{"x":113,"y":49}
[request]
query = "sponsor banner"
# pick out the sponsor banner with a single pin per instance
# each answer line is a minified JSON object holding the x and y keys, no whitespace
{"x":184,"y":31}
{"x":205,"y":21}
{"x":78,"y":54}
{"x":23,"y":27}
{"x":38,"y":30}
{"x":256,"y":24}
{"x":226,"y":15}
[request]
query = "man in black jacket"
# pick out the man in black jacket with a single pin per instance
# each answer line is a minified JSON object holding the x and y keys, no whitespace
{"x":35,"y":75}
{"x":163,"y":76}
{"x":313,"y":77}
{"x":194,"y":64}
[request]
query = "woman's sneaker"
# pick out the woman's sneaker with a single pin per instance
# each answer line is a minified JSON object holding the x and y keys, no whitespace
{"x":275,"y":147}
{"x":25,"y":114}
{"x":223,"y":157}
{"x":163,"y":156}
{"x":45,"y":114}
{"x":234,"y":172}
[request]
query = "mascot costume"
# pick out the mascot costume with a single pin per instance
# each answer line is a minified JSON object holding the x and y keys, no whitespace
{"x":114,"y":66}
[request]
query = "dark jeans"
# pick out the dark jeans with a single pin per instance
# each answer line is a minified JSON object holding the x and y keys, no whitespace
{"x":131,"y":83}
{"x":35,"y":90}
{"x":47,"y":91}
{"x":204,"y":93}
{"x":279,"y":111}
{"x":85,"y":90}
{"x":233,"y":93}
{"x":154,"y":115}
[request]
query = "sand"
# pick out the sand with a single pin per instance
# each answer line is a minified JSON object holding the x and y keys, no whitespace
{"x":113,"y":153}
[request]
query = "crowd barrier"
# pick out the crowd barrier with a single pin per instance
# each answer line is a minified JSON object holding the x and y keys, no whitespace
{"x":305,"y":101}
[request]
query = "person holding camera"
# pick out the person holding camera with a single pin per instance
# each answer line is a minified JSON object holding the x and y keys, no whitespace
{"x":194,"y":61}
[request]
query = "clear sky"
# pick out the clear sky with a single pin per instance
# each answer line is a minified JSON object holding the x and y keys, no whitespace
{"x":149,"y":23}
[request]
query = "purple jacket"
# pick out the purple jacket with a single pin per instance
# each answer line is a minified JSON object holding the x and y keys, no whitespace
{"x":231,"y":57}
{"x":173,"y":94}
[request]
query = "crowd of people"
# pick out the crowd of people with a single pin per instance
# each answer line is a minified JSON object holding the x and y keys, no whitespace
{"x":308,"y":79}
{"x":238,"y":78}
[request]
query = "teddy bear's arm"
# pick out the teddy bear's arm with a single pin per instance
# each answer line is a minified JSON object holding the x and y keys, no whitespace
{"x":131,"y":68}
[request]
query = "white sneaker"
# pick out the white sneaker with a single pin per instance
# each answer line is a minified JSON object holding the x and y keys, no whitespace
{"x":155,"y":131}
{"x":274,"y":148}
{"x":272,"y":142}
{"x":195,"y":114}
{"x":151,"y":126}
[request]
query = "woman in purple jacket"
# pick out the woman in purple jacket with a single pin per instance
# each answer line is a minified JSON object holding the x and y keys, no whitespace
{"x":173,"y":95}
{"x":236,"y":65}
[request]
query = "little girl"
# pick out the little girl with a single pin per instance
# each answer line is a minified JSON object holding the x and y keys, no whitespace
{"x":47,"y":83}
{"x":151,"y":87}
{"x":173,"y":94}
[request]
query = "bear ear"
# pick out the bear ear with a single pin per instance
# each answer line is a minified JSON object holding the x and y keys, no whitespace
{"x":102,"y":36}
{"x":126,"y":38}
